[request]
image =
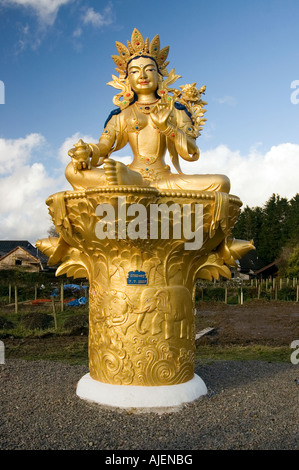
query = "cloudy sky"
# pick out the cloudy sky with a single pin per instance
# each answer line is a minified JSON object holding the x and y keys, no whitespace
{"x":55,"y":62}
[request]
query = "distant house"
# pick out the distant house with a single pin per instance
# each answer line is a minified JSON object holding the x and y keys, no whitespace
{"x":16,"y":254}
{"x":250,"y":265}
{"x":247,"y":266}
{"x":271,"y":270}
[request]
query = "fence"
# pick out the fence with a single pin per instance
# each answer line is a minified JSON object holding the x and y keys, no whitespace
{"x":239,"y":291}
{"x":229,"y":292}
{"x":27,"y":293}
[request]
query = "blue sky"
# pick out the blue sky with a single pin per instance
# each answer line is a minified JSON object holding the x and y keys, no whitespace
{"x":55,"y":61}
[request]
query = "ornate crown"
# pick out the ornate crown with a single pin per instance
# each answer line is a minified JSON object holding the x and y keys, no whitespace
{"x":138,"y":46}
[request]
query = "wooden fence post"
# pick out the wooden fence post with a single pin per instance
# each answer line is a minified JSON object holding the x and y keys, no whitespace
{"x":9,"y":293}
{"x":16,"y":299}
{"x":54,"y":312}
{"x":61,"y":297}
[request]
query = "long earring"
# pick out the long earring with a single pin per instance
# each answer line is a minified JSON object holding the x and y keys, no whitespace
{"x":162,"y":91}
{"x":126,"y":97}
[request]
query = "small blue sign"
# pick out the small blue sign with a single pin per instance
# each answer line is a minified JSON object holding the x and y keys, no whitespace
{"x":137,"y":278}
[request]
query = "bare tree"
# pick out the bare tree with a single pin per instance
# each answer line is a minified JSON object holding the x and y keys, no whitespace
{"x":52,"y":232}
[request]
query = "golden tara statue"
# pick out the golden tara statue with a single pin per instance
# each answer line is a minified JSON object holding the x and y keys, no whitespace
{"x":142,"y":268}
{"x":152,"y":118}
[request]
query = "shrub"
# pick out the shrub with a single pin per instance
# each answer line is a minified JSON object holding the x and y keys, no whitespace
{"x":36,"y":321}
{"x":287,"y":293}
{"x":5,"y":324}
{"x":214,"y":293}
{"x":250,"y":292}
{"x":78,"y":324}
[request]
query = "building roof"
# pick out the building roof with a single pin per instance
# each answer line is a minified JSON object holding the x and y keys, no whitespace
{"x":250,"y":262}
{"x":272,"y":267}
{"x":7,"y":246}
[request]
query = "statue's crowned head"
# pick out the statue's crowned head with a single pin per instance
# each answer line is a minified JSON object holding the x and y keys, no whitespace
{"x":142,"y":55}
{"x":136,"y":49}
{"x":139,"y":47}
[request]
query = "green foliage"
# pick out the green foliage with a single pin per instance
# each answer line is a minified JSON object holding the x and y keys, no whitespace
{"x":214,"y":293}
{"x":287,"y":293}
{"x":5,"y":324}
{"x":36,"y":321}
{"x":210,"y":353}
{"x":19,"y":276}
{"x":249,"y":224}
{"x":293,"y":265}
{"x":77,"y":324}
{"x":272,"y":227}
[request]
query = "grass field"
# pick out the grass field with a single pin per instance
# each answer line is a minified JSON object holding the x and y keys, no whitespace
{"x":254,"y":331}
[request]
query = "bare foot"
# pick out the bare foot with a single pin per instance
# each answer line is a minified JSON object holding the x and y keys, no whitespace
{"x":110,"y":171}
{"x":119,"y":174}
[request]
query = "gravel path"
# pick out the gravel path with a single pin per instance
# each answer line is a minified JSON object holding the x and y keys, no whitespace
{"x":251,"y":405}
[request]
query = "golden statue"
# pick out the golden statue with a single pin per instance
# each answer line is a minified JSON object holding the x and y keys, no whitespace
{"x":152,"y":118}
{"x":142,"y":273}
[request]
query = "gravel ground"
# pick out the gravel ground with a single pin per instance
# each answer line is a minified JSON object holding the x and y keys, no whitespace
{"x":250,"y":405}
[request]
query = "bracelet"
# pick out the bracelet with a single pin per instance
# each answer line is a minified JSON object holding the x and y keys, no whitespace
{"x":170,"y":131}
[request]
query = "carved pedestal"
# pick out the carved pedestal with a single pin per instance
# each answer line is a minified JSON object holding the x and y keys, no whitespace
{"x":142,"y":279}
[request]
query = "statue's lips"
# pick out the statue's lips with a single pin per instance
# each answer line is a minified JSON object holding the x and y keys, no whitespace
{"x":143,"y":83}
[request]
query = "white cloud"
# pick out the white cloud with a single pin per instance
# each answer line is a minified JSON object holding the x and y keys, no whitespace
{"x":256,"y":176}
{"x":25,"y":183}
{"x":97,"y":19}
{"x":46,"y":10}
{"x":69,"y":143}
{"x":17,"y":152}
{"x":92,"y":19}
{"x":24,"y":187}
{"x":77,"y":33}
{"x":230,"y":100}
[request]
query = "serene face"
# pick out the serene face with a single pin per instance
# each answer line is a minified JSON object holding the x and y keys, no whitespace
{"x":143,"y":75}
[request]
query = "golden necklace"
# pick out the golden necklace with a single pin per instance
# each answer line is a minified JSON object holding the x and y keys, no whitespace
{"x":147,"y":160}
{"x":145,"y":108}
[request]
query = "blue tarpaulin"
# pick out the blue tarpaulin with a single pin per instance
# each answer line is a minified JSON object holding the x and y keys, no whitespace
{"x":55,"y":292}
{"x":77,"y":302}
{"x":72,"y":286}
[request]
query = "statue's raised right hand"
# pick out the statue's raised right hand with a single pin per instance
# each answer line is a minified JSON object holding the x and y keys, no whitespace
{"x":160,"y":114}
{"x":80,"y":155}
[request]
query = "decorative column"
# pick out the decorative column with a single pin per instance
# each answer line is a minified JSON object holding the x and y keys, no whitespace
{"x":142,"y":280}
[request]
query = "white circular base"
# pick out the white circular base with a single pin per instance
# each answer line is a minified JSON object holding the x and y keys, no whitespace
{"x":131,"y":396}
